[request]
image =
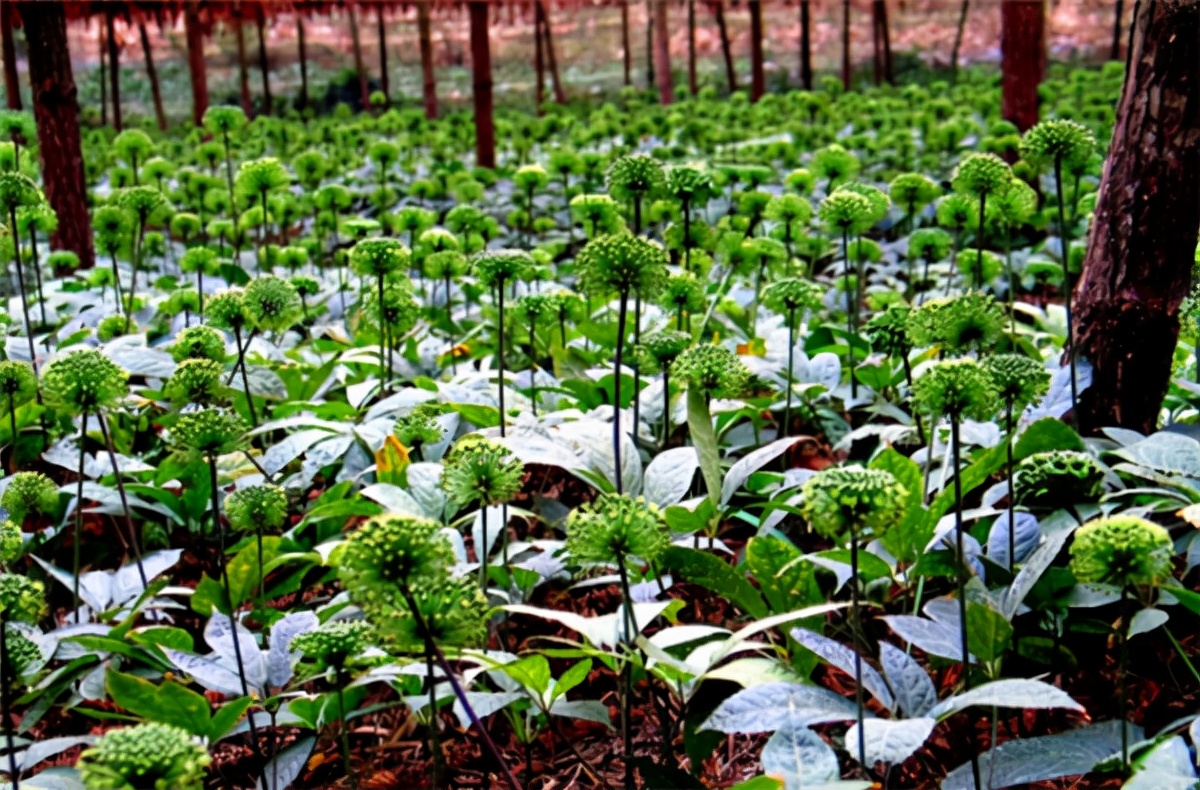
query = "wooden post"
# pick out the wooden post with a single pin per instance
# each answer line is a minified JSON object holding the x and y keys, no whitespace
{"x":806,"y":74}
{"x":1141,"y":250}
{"x":114,"y":69}
{"x":626,"y":53}
{"x":243,"y":68}
{"x":425,"y":42}
{"x":662,"y":51}
{"x":196,"y":65}
{"x":356,"y":47}
{"x":263,"y":65}
{"x":758,"y":83}
{"x":693,"y":86}
{"x":1023,"y":59}
{"x":560,"y":94}
{"x":12,"y":85}
{"x":56,"y":111}
{"x":481,"y":66}
{"x":718,"y":9}
{"x":152,"y":75}
{"x":302,"y":53}
{"x":381,"y":31}
{"x":847,"y":69}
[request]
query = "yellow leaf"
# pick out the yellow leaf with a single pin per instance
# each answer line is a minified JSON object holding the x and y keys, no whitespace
{"x":757,"y":347}
{"x":390,"y":461}
{"x":1191,"y":514}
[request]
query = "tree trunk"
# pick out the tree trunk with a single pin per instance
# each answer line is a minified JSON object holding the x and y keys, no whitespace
{"x":102,"y":59}
{"x":1143,"y":239}
{"x":1023,"y":59}
{"x":718,"y":9}
{"x":758,"y":80}
{"x":963,"y":10}
{"x":883,"y":42}
{"x":114,"y":69}
{"x":876,"y":46}
{"x":8,"y":50}
{"x":196,"y":66}
{"x":806,"y":73}
{"x":626,"y":53}
{"x":560,"y":94}
{"x":302,"y":54}
{"x":152,"y":75}
{"x":693,"y":87}
{"x":847,"y":74}
{"x":359,"y":68}
{"x":1119,"y":11}
{"x":263,"y":65}
{"x":539,"y":68}
{"x":481,"y":67}
{"x":662,"y":51}
{"x":649,"y":44}
{"x":243,"y":69}
{"x":56,"y":111}
{"x":425,"y":44}
{"x":381,"y":30}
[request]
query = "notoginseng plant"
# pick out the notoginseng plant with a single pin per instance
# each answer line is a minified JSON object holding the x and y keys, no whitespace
{"x":1131,"y":554}
{"x":621,"y":264}
{"x":692,"y":188}
{"x":913,"y":192}
{"x":28,"y":494}
{"x":533,"y":307}
{"x":495,"y":270}
{"x":17,"y":191}
{"x":480,"y":472}
{"x":613,"y":530}
{"x":227,"y":310}
{"x":148,"y":755}
{"x":787,"y":297}
{"x":791,"y":213}
{"x":338,"y":646}
{"x":22,"y":600}
{"x":144,"y":204}
{"x":1007,"y":212}
{"x":981,"y":176}
{"x":257,"y":509}
{"x":199,"y":261}
{"x":684,"y":295}
{"x":863,"y":503}
{"x":633,"y":180}
{"x":32,"y":219}
{"x":18,"y":386}
{"x":418,"y":428}
{"x":255,"y":182}
{"x":597,"y":214}
{"x":82,"y":384}
{"x":970,"y":323}
{"x":659,"y":350}
{"x":396,"y":569}
{"x":845,"y":213}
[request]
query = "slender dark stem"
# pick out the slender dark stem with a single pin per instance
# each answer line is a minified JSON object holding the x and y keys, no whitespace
{"x":137,"y":264}
{"x":200,"y":291}
{"x":37,"y":272}
{"x":481,"y":551}
{"x":637,"y":371}
{"x":16,"y":240}
{"x":851,"y":312}
{"x":533,"y":357}
{"x":77,"y":538}
{"x":1122,"y":691}
{"x":979,"y":242}
{"x":435,"y":745}
{"x":344,"y":728}
{"x":6,"y":674}
{"x":616,"y":431}
{"x":1012,"y":527}
{"x":240,"y":364}
{"x":786,"y":428}
{"x":1068,"y":286}
{"x":12,"y":427}
{"x":956,"y":451}
{"x":383,"y":371}
{"x":500,"y":353}
{"x":133,"y":538}
{"x":627,"y":674}
{"x":856,"y":615}
{"x":666,"y":427}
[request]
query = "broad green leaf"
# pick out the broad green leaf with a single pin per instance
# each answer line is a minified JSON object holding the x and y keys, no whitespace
{"x":889,"y":741}
{"x":705,"y":439}
{"x":906,"y":540}
{"x":715,"y":575}
{"x":988,"y":633}
{"x":1045,"y":435}
{"x":784,"y":580}
{"x":166,"y":703}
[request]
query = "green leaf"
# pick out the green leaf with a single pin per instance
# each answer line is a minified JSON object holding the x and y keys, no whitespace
{"x":243,"y":569}
{"x":760,"y":783}
{"x":532,"y":672}
{"x":164,"y":636}
{"x":680,"y":519}
{"x":478,"y":414}
{"x":571,"y":678}
{"x":227,"y":717}
{"x":976,"y":474}
{"x":169,"y":703}
{"x":1048,"y":433}
{"x":785,"y":581}
{"x":988,"y":633}
{"x":907,"y":539}
{"x":208,"y":597}
{"x":707,"y":450}
{"x":715,"y":575}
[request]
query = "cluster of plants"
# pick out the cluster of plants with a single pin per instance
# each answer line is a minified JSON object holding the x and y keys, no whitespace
{"x":712,"y":428}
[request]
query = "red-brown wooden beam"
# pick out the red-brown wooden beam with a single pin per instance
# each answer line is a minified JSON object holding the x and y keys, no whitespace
{"x":481,"y":66}
{"x":381,"y":33}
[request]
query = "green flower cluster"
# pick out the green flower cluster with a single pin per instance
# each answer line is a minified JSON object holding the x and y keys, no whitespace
{"x":454,"y":612}
{"x":684,"y":291}
{"x":496,"y":268}
{"x":1019,"y":380}
{"x":22,"y":599}
{"x":481,"y":473}
{"x":956,"y":388}
{"x":199,"y":342}
{"x":913,"y":191}
{"x":1058,"y":478}
{"x":18,"y":384}
{"x":209,"y":432}
{"x":846,"y":212}
{"x":1057,"y":141}
{"x":419,"y":427}
{"x":29,"y":493}
{"x":1125,"y":551}
{"x":84,"y":381}
{"x":864,"y":502}
{"x":614,"y":527}
{"x":196,"y":381}
{"x":379,"y":257}
{"x":23,"y":653}
{"x":888,"y":330}
{"x":971,"y":322}
{"x":227,"y":309}
{"x":149,"y":756}
{"x":790,"y":294}
{"x":336,"y":644}
{"x":12,"y":542}
{"x":634,"y":177}
{"x":260,"y":508}
{"x":271,"y":304}
{"x":659,"y":350}
{"x":714,"y":370}
{"x":623,"y":264}
{"x":981,"y":175}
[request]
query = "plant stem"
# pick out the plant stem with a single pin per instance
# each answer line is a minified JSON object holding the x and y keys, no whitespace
{"x":240,"y":364}
{"x":435,"y":745}
{"x":533,"y":356}
{"x":384,"y":373}
{"x":1012,"y":525}
{"x":979,"y":242}
{"x":1069,"y":346}
{"x":1123,"y":662}
{"x":16,"y":240}
{"x":78,"y":536}
{"x":666,"y":427}
{"x":500,"y":352}
{"x":37,"y":272}
{"x":616,"y":430}
{"x":626,"y":685}
{"x":955,"y":449}
{"x":14,"y":775}
{"x":344,"y":729}
{"x":637,"y":372}
{"x":791,"y":353}
{"x":851,"y":312}
{"x":855,"y":615}
{"x":112,"y":457}
{"x":137,"y":264}
{"x":481,"y":551}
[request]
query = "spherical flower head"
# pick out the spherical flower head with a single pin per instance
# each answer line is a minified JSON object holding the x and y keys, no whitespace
{"x":622,"y":263}
{"x":659,"y":350}
{"x":335,"y":644}
{"x":835,"y":164}
{"x":1057,"y":141}
{"x":878,"y":199}
{"x":272,"y":304}
{"x":864,"y":502}
{"x":399,"y":310}
{"x":261,"y":508}
{"x":789,"y":209}
{"x":29,"y":493}
{"x":454,"y":611}
{"x":913,"y":191}
{"x":888,"y":330}
{"x":17,"y":190}
{"x":615,"y":527}
{"x":22,"y":600}
{"x":390,"y":552}
{"x":790,"y":294}
{"x":598,"y":211}
{"x":496,"y":268}
{"x":714,"y":370}
{"x":199,"y":342}
{"x":417,"y":428}
{"x":150,"y":755}
{"x":379,"y":257}
{"x":1019,"y":380}
{"x":257,"y":178}
{"x":1011,"y":208}
{"x":957,"y":212}
{"x":981,"y":175}
{"x":12,"y":541}
{"x":689,"y":184}
{"x":23,"y":653}
{"x":530,"y":178}
{"x":224,"y":119}
{"x":482,"y":473}
{"x":84,"y":381}
{"x":982,"y":263}
{"x":227,"y":309}
{"x":209,"y":432}
{"x":684,"y":291}
{"x":196,"y":381}
{"x":142,"y":201}
{"x":198,"y":259}
{"x":846,"y":212}
{"x":635,"y":177}
{"x":113,"y":326}
{"x":956,"y":388}
{"x":1125,"y":551}
{"x":133,"y":144}
{"x":1058,"y":478}
{"x":18,"y":384}
{"x":971,"y":322}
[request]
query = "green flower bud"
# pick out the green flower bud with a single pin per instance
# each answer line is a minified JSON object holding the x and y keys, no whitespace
{"x":454,"y":610}
{"x":388,"y":553}
{"x":1019,"y":380}
{"x":615,"y":527}
{"x":888,"y":331}
{"x":660,"y":349}
{"x":635,"y":177}
{"x":497,"y":268}
{"x":846,"y":212}
{"x":956,"y":388}
{"x":23,"y":653}
{"x":379,"y":257}
{"x":209,"y":432}
{"x":12,"y":542}
{"x":150,"y":755}
{"x":223,"y":119}
{"x":714,"y":370}
{"x":227,"y":309}
{"x":957,"y":212}
{"x":1057,"y":141}
{"x":835,"y":164}
{"x":255,"y":179}
{"x":913,"y":191}
{"x":199,"y":342}
{"x":18,"y":384}
{"x":17,"y":190}
{"x":271,"y":304}
{"x":22,"y":600}
{"x":1058,"y":478}
{"x":198,"y":259}
{"x":864,"y":502}
{"x":1125,"y":551}
{"x":789,"y":210}
{"x":981,"y":175}
{"x":481,"y":473}
{"x":196,"y":381}
{"x":791,"y":294}
{"x":597,"y":213}
{"x":261,"y":508}
{"x":113,"y":326}
{"x":83,"y":381}
{"x":690,"y":185}
{"x":29,"y":493}
{"x":417,"y":428}
{"x":621,"y":263}
{"x":971,"y":322}
{"x":335,"y":644}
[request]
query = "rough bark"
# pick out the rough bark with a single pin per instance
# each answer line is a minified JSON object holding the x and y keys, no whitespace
{"x":114,"y":69}
{"x":103,"y":57}
{"x":662,"y":52}
{"x":847,"y":73}
{"x":152,"y":75}
{"x":1023,"y":59}
{"x":1118,"y":12}
{"x":381,"y":32}
{"x":196,"y":65}
{"x":963,"y":10}
{"x":425,"y":44}
{"x":539,"y":66}
{"x":359,"y":67}
{"x":264,"y":65}
{"x":302,"y":54}
{"x":649,"y":44}
{"x":481,"y":67}
{"x":626,"y":52}
{"x":879,"y":14}
{"x":1141,"y":250}
{"x":718,"y":9}
{"x":560,"y":94}
{"x":693,"y":88}
{"x":243,"y":69}
{"x":806,"y":72}
{"x":758,"y":81}
{"x":56,"y":110}
{"x":8,"y":49}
